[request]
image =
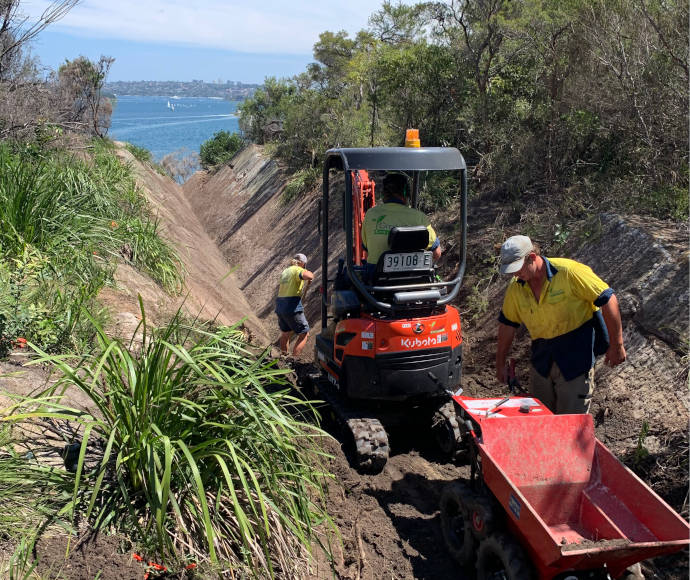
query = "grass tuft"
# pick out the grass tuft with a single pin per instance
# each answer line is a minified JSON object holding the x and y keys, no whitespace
{"x":196,"y":446}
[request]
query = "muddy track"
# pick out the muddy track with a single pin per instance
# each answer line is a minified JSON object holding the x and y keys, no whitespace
{"x":390,"y":523}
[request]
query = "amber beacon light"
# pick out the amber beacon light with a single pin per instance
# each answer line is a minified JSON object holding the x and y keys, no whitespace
{"x":412,"y":138}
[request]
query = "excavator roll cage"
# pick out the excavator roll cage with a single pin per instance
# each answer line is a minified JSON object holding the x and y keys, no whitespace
{"x":355,"y":163}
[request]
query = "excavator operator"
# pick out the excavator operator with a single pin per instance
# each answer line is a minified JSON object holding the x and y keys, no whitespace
{"x":394,"y":211}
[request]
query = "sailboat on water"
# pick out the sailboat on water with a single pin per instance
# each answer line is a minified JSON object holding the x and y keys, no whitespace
{"x":171,"y":106}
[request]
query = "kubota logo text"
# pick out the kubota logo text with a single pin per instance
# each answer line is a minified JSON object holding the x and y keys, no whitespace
{"x":422,"y":342}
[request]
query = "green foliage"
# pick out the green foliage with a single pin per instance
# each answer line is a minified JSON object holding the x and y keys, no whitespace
{"x":666,"y":201}
{"x":31,"y":495}
{"x":80,"y":82}
{"x":140,"y":153}
{"x":438,"y":190}
{"x":196,"y":447}
{"x":525,"y":91}
{"x":152,"y":254}
{"x":300,"y":183}
{"x":220,"y":148}
{"x":266,"y":105}
{"x":65,"y":222}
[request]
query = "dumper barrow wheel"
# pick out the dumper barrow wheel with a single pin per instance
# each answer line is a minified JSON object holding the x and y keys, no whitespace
{"x":486,"y":514}
{"x":456,"y":524}
{"x":446,"y":432}
{"x":500,"y":557}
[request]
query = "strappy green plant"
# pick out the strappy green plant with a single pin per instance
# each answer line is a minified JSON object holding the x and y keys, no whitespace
{"x":199,"y":446}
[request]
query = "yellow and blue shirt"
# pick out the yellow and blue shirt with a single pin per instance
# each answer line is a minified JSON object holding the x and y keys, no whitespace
{"x":565,"y":325}
{"x":290,"y":291}
{"x":382,"y":218}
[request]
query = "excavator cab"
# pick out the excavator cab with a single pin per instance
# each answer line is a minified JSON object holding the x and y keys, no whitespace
{"x":390,"y":347}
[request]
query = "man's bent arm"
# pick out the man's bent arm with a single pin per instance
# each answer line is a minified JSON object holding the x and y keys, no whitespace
{"x":615,"y":355}
{"x":506,"y":334}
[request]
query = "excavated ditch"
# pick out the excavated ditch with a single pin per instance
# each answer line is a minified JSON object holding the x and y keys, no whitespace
{"x":235,"y":235}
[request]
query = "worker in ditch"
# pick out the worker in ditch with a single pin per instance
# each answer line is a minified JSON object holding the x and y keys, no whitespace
{"x":394,"y":211}
{"x":294,"y":281}
{"x":571,"y":315}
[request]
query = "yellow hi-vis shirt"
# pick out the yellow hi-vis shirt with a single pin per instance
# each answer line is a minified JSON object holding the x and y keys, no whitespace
{"x":565,"y":324}
{"x":382,"y":218}
{"x":566,"y":301}
{"x":291,"y":282}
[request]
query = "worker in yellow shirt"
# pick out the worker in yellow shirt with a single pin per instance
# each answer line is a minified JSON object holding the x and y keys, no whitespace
{"x":289,"y":307}
{"x":394,"y":211}
{"x":561,"y":302}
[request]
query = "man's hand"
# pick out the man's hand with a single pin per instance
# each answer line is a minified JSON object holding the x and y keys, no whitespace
{"x":615,"y":355}
{"x":305,"y":287}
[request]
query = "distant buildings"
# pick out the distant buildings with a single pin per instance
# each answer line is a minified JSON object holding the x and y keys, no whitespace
{"x":230,"y":90}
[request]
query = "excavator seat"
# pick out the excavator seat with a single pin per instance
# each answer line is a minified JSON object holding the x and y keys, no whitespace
{"x":407,"y":261}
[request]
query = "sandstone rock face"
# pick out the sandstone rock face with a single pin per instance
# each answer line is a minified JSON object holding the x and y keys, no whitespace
{"x":242,"y":210}
{"x":646,"y":263}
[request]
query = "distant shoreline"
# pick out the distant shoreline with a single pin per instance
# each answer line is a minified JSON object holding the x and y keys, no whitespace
{"x":117,"y":96}
{"x":229,"y":90}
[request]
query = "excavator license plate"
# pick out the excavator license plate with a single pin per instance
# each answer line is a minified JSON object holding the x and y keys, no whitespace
{"x":408,"y":261}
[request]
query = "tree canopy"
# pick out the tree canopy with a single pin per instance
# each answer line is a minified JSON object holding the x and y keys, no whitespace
{"x":541,"y":96}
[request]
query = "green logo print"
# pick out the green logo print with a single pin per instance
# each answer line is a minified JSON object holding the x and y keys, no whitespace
{"x":378,"y":228}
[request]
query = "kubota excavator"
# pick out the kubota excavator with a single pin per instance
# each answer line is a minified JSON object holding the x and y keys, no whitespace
{"x":390,"y":347}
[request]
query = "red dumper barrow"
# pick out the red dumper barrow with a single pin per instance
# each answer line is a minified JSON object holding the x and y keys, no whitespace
{"x":548,"y":500}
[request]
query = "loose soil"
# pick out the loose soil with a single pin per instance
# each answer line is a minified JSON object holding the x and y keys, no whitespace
{"x":389,"y":524}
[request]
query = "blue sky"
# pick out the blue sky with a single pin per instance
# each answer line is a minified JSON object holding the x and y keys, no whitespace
{"x":236,"y":40}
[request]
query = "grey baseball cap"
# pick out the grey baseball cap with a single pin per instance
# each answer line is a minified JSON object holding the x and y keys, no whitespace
{"x":513,"y":253}
{"x":301,"y":257}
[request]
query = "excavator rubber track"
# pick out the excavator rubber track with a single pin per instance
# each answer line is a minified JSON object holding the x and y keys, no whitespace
{"x":366,"y":433}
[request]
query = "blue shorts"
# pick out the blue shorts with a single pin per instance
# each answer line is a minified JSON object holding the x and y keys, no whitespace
{"x":295,"y":321}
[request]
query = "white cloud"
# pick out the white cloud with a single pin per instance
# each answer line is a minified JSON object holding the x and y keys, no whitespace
{"x":258,"y":26}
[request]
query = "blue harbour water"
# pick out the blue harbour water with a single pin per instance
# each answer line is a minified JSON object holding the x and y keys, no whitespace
{"x":166,"y":124}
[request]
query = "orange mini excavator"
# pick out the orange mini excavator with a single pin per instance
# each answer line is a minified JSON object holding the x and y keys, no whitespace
{"x":390,"y":348}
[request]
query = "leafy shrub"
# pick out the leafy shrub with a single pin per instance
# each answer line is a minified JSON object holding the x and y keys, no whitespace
{"x":438,"y":190}
{"x":65,"y":222}
{"x":220,"y":148}
{"x":302,"y":181}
